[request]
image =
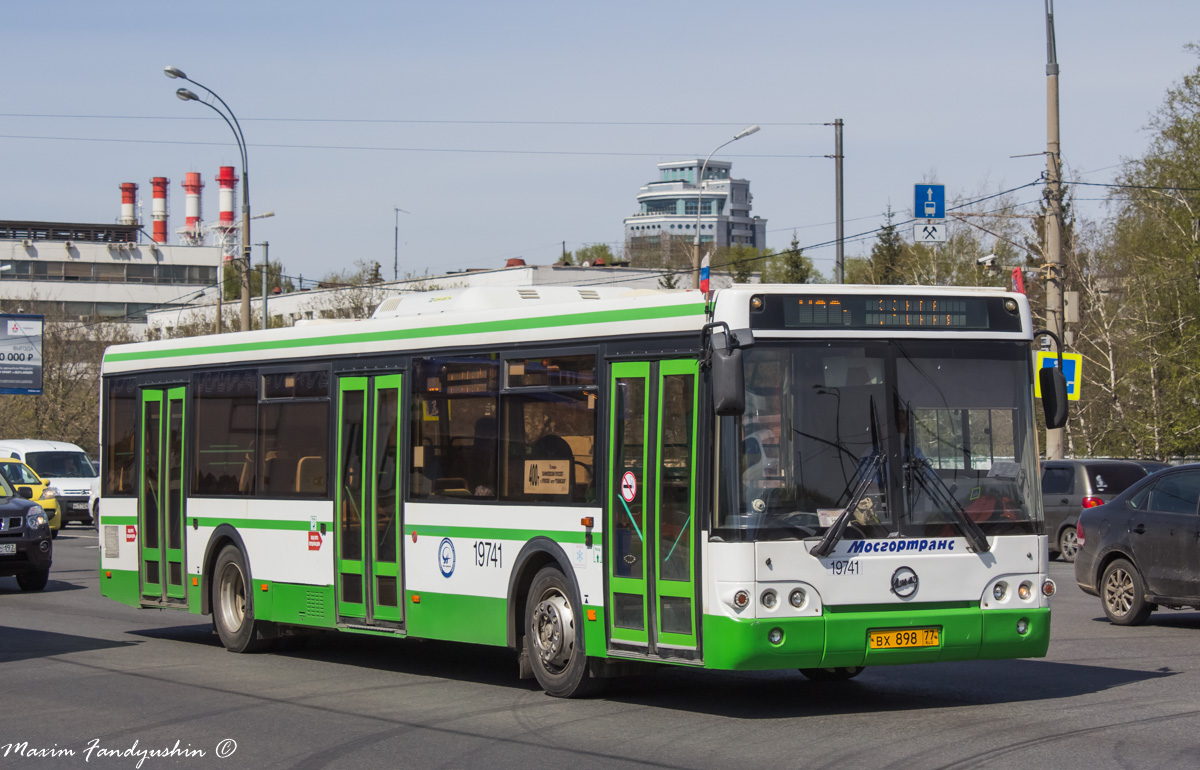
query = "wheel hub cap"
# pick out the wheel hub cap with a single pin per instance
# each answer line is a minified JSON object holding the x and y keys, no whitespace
{"x":553,"y":630}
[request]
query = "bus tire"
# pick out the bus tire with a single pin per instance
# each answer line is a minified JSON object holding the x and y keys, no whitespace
{"x":233,"y":611}
{"x":555,"y":637}
{"x":839,"y":674}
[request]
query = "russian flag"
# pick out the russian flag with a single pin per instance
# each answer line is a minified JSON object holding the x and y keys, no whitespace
{"x":704,"y":273}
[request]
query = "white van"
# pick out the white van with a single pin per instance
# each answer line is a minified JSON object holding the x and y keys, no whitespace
{"x":64,"y":466}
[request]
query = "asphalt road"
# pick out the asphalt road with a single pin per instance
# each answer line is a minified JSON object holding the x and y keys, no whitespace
{"x":77,"y":670}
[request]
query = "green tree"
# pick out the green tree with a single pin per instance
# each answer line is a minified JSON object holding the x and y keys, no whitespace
{"x":1140,"y":300}
{"x":790,"y":266}
{"x":595,"y":251}
{"x":232,"y":276}
{"x":888,"y":252}
{"x":741,"y":261}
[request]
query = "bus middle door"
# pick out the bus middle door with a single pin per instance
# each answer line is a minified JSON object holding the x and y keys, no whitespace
{"x":650,"y":518}
{"x":367,"y":501}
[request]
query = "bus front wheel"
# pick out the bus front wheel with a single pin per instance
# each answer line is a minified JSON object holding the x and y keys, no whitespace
{"x":233,"y":613}
{"x":554,"y":637}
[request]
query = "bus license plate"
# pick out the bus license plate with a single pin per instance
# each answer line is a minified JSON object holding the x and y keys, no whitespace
{"x":903,"y":638}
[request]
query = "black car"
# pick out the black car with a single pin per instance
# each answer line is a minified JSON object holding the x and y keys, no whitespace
{"x":1152,"y":466}
{"x":1070,"y":486}
{"x":1142,"y":550}
{"x":25,"y":547}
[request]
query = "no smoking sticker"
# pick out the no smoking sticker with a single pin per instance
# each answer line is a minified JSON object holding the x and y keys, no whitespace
{"x":628,"y":486}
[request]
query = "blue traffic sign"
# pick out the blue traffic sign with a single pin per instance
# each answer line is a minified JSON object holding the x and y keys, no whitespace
{"x":1072,"y":367}
{"x":929,"y":201}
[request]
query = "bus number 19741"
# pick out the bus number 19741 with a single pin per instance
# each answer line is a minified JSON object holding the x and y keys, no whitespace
{"x":488,"y":554}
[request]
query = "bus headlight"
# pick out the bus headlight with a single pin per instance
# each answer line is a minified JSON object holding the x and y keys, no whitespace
{"x":775,"y":636}
{"x":1000,"y":590}
{"x":797,"y":597}
{"x":1025,"y":590}
{"x":769,"y":598}
{"x":1022,"y":626}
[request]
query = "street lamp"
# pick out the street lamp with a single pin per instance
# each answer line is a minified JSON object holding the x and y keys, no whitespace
{"x":231,"y":121}
{"x":700,"y":201}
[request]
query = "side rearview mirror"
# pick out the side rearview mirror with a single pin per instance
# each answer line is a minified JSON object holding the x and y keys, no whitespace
{"x":1054,"y":396}
{"x":25,"y":492}
{"x":729,"y":382}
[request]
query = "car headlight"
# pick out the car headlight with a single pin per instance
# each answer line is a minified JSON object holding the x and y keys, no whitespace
{"x":36,"y":518}
{"x":50,"y":493}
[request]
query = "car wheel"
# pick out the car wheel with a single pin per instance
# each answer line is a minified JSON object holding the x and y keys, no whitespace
{"x":555,"y":637}
{"x":34,"y":581}
{"x":839,"y":674}
{"x":1068,"y":544}
{"x":233,"y":612}
{"x":1124,"y":595}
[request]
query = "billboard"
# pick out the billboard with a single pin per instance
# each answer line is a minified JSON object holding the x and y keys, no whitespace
{"x":21,"y":354}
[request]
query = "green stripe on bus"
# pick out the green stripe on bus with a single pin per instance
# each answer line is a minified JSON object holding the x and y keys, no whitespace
{"x":106,"y":519}
{"x":517,"y":324}
{"x":493,"y":533}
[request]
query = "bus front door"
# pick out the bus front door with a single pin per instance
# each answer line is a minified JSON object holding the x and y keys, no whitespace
{"x":653,"y":603}
{"x":161,"y":497}
{"x":367,"y":501}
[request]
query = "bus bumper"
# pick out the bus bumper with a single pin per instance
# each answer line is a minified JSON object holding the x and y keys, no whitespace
{"x":839,"y":638}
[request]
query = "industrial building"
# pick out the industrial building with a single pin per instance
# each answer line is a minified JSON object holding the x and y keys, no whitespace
{"x":118,"y":272}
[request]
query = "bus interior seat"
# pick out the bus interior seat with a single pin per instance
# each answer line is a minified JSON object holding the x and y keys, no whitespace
{"x":310,"y":475}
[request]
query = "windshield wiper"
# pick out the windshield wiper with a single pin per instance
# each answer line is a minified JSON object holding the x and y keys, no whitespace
{"x":921,"y":470}
{"x":865,"y":475}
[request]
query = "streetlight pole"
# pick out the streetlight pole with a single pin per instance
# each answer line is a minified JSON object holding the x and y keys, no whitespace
{"x":232,"y":121}
{"x":700,"y":201}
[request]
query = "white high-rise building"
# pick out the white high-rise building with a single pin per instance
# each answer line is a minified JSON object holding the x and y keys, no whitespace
{"x":667,"y":209}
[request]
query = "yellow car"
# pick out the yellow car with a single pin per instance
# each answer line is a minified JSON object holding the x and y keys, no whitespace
{"x":18,"y":474}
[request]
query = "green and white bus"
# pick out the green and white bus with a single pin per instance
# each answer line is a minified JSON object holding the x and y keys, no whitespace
{"x":820,"y":478}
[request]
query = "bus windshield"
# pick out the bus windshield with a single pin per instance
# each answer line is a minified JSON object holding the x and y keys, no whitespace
{"x":911,"y":437}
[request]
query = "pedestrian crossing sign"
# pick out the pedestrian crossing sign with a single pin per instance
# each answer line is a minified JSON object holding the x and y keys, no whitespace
{"x":1072,"y":365}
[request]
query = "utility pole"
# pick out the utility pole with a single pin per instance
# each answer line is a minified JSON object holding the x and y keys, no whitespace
{"x":840,"y":265}
{"x":266,"y":246}
{"x":1054,"y":223}
{"x":396,"y":245}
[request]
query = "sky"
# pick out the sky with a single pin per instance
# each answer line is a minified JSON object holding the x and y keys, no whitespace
{"x":504,"y":129}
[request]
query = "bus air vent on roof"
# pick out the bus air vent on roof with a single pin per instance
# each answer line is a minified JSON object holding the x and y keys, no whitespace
{"x":528,"y":293}
{"x":388,"y":305}
{"x":589,"y":294}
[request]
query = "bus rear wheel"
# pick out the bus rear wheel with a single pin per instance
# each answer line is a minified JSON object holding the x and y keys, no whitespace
{"x":839,"y":674}
{"x":233,"y":613}
{"x":554,"y":638}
